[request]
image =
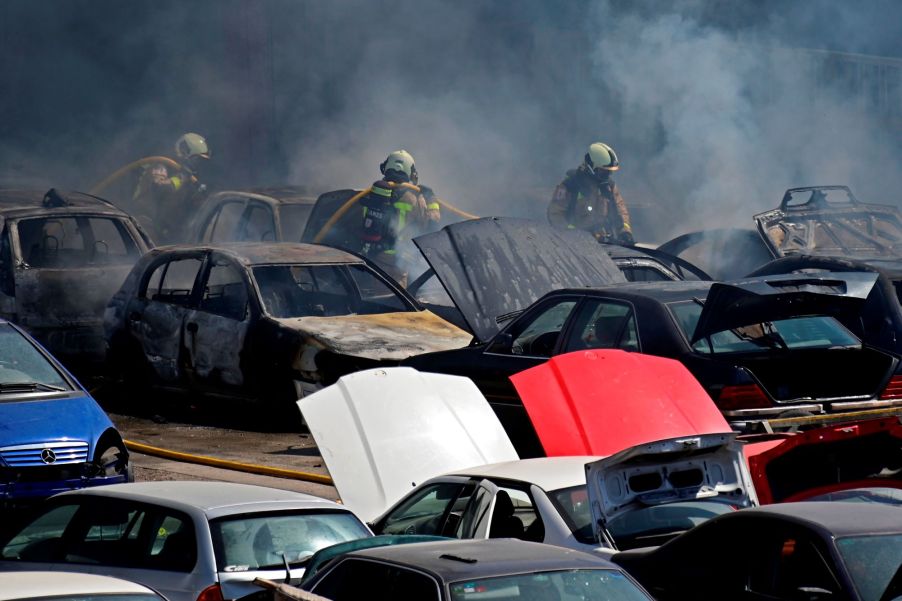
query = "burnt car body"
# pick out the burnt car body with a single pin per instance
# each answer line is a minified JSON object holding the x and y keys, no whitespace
{"x":725,"y":333}
{"x":275,"y":214}
{"x":794,"y":551}
{"x":262,"y":321}
{"x":62,"y":256}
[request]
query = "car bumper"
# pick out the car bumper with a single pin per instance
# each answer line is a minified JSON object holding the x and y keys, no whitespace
{"x":16,"y":491}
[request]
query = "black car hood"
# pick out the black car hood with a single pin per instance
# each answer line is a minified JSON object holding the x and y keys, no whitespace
{"x":495,"y":266}
{"x":745,"y":302}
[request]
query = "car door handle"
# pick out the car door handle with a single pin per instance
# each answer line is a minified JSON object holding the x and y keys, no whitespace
{"x":191,"y":327}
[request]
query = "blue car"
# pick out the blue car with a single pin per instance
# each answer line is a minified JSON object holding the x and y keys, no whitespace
{"x":53,"y":436}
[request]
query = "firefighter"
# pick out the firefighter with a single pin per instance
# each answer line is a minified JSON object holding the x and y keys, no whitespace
{"x":167,"y":197}
{"x":394,"y":211}
{"x":588,"y":199}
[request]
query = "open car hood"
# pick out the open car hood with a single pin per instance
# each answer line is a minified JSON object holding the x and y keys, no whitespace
{"x":830,"y":221}
{"x":599,"y":402}
{"x":495,"y":266}
{"x":382,"y":432}
{"x":707,"y":467}
{"x":828,"y":461}
{"x":745,"y":302}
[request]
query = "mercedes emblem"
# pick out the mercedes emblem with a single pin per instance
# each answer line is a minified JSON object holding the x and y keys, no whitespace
{"x":48,"y":456}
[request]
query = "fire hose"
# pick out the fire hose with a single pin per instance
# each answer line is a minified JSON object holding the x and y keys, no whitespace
{"x":343,"y":209}
{"x":104,"y":184}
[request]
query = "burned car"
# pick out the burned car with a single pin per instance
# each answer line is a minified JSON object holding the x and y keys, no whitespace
{"x":763,"y":348}
{"x":62,"y":256}
{"x":262,"y":321}
{"x":275,"y":214}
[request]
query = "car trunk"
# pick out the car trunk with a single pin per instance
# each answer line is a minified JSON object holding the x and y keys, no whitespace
{"x":807,"y":374}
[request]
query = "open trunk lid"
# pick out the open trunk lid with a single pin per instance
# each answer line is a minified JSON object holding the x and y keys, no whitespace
{"x":495,"y":266}
{"x":382,"y":432}
{"x":600,"y":402}
{"x":830,"y":221}
{"x":744,"y":302}
{"x":828,"y":461}
{"x":707,"y":467}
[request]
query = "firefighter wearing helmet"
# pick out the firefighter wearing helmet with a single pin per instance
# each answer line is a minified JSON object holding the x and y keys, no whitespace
{"x":588,"y":199}
{"x":168,"y":196}
{"x":395,"y":210}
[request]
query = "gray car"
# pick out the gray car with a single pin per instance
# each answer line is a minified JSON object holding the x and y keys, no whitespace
{"x":188,"y":540}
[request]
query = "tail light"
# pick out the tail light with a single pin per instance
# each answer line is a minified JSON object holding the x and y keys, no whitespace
{"x":893,"y":390}
{"x":211,"y":593}
{"x":746,"y":396}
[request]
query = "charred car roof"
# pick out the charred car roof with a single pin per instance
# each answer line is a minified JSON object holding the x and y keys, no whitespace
{"x":26,"y":202}
{"x":270,"y":253}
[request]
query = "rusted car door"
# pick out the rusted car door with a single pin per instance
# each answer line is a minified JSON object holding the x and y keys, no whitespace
{"x":216,"y":329}
{"x":156,"y":317}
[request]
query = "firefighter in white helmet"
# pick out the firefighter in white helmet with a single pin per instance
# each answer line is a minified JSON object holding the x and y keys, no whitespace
{"x":396,"y":210}
{"x":588,"y":199}
{"x":167,"y":196}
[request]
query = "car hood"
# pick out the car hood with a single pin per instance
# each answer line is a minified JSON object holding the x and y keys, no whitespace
{"x":600,"y":402}
{"x":707,"y":467}
{"x":48,"y":420}
{"x":855,"y":229}
{"x":831,"y":459}
{"x":495,"y":266}
{"x":380,"y":336}
{"x":745,"y":302}
{"x":382,"y":432}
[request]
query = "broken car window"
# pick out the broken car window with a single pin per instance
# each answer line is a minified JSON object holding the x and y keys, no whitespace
{"x":324,"y":290}
{"x":74,"y":241}
{"x":172,"y":282}
{"x":225,"y":292}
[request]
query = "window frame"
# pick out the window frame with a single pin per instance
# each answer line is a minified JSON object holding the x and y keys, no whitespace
{"x":601,"y":299}
{"x":461,"y":482}
{"x":217,"y":259}
{"x":192,"y":298}
{"x":251,"y":205}
{"x":335,"y":564}
{"x":211,"y":223}
{"x":531,"y":315}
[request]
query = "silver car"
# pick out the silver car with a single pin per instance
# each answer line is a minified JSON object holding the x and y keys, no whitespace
{"x":191,"y":541}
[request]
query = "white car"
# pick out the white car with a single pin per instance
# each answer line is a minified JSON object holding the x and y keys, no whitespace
{"x":71,"y":586}
{"x":401,"y":446}
{"x":192,"y":541}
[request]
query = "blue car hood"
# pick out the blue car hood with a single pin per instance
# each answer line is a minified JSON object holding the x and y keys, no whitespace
{"x":44,"y":420}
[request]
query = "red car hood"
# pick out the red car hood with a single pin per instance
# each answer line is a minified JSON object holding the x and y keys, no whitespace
{"x":600,"y":402}
{"x":860,"y":455}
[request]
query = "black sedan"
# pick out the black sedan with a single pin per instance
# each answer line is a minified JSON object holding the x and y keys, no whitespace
{"x":500,"y":569}
{"x":762,"y":348}
{"x":793,"y":551}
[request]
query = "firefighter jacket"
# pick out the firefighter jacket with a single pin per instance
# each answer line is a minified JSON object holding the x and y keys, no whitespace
{"x":582,"y":202}
{"x":166,"y":199}
{"x":395,"y":213}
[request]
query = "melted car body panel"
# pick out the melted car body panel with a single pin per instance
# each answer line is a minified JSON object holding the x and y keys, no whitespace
{"x":600,"y":402}
{"x":382,"y":432}
{"x":495,"y":266}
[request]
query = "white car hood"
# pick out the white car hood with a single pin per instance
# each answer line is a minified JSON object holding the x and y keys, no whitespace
{"x":382,"y":432}
{"x":709,"y":466}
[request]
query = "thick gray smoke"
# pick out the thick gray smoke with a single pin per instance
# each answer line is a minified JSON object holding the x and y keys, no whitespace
{"x":712,"y":108}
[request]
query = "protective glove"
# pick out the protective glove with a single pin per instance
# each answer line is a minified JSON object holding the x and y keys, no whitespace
{"x":427,"y":193}
{"x":626,"y":237}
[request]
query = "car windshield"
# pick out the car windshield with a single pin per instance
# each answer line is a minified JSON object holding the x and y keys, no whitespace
{"x":655,"y":520}
{"x":601,"y":584}
{"x":811,"y":332}
{"x":23,"y":368}
{"x":253,"y":542}
{"x":75,"y":241}
{"x":875,"y":564}
{"x":325,"y":290}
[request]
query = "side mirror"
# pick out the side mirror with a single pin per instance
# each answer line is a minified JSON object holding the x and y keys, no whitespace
{"x":501,"y":343}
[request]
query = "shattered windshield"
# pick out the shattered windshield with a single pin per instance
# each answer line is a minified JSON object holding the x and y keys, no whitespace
{"x":875,"y":564}
{"x":325,"y":290}
{"x":252,"y":542}
{"x":23,"y":368}
{"x":794,"y":333}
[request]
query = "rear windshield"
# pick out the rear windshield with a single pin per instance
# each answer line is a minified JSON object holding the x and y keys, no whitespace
{"x":794,"y":333}
{"x":327,"y":290}
{"x":75,"y":241}
{"x":255,"y":541}
{"x":23,"y":367}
